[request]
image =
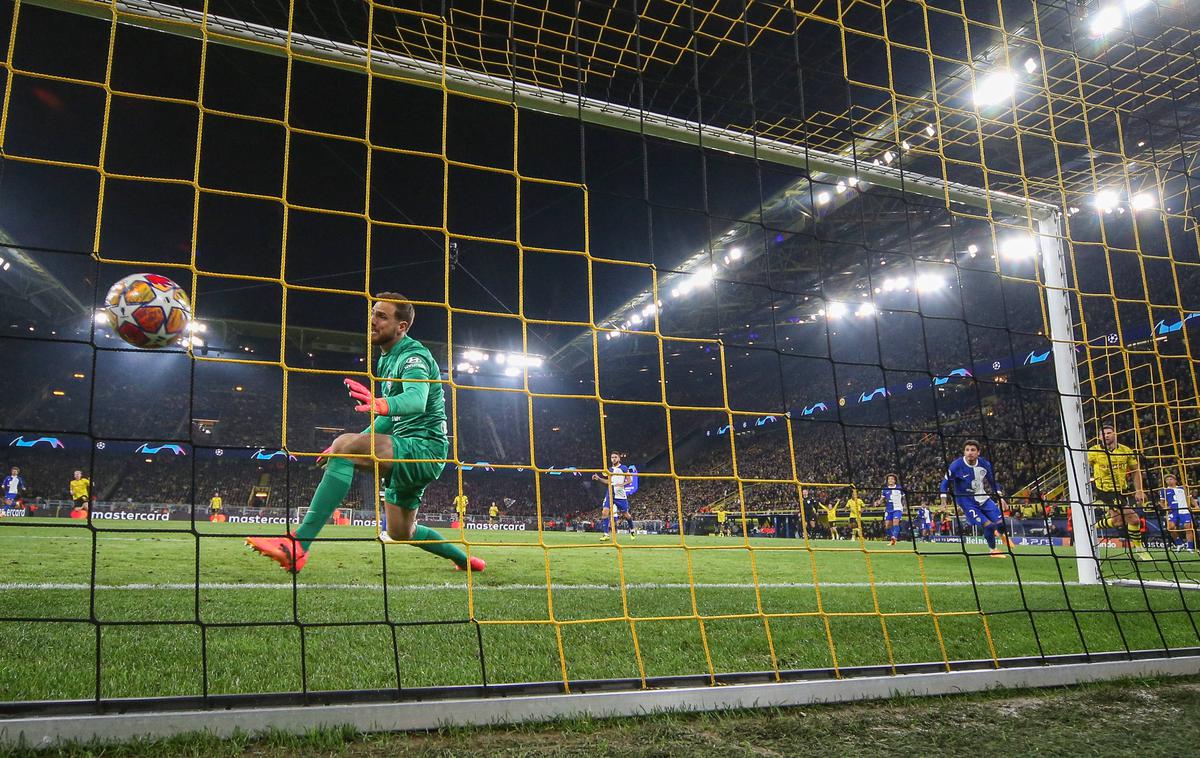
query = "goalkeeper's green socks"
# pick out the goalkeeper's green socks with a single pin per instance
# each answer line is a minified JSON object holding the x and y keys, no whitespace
{"x":444,"y":549}
{"x":334,"y":486}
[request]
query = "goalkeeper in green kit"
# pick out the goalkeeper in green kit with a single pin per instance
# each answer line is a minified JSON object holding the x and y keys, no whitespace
{"x":410,"y":425}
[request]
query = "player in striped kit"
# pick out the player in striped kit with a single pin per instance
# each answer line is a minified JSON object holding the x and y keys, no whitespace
{"x":621,"y":483}
{"x":1179,"y":515}
{"x":923,"y":523}
{"x":892,"y":497}
{"x":969,"y":480}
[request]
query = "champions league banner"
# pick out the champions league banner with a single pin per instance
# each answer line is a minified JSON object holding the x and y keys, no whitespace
{"x":147,"y":448}
{"x":168,"y":450}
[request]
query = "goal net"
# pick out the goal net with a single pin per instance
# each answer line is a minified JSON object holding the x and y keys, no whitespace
{"x":766,"y":268}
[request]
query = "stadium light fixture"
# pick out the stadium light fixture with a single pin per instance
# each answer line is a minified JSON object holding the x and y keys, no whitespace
{"x":929,"y":130}
{"x":1105,"y":201}
{"x":1105,"y":21}
{"x":893,"y":283}
{"x":512,"y":371}
{"x":101,"y":319}
{"x":930,"y":283}
{"x":841,"y":187}
{"x":58,"y":393}
{"x":822,"y":198}
{"x":636,"y":318}
{"x":463,"y":367}
{"x":704,"y":277}
{"x":475,"y":355}
{"x":518,"y":360}
{"x":7,"y":265}
{"x":888,"y":157}
{"x":1030,"y":65}
{"x":649,"y":310}
{"x":1018,"y":248}
{"x":735,"y":253}
{"x":995,"y":88}
{"x":836,"y":310}
{"x":864,"y":310}
{"x":972,"y":250}
{"x":1142,"y":201}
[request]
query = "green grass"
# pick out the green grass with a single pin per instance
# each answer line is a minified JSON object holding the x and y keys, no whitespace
{"x":1149,"y":717}
{"x":146,"y":575}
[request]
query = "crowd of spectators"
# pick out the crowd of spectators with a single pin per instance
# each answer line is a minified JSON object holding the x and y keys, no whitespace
{"x":491,"y":431}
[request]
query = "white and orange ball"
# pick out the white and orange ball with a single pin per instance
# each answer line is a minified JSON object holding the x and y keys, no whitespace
{"x":148,"y":310}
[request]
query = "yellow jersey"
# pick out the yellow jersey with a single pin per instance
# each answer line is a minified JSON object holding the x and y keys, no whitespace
{"x":721,"y":515}
{"x":80,"y":488}
{"x":856,"y":506}
{"x":493,"y":511}
{"x":215,"y":503}
{"x":830,"y":511}
{"x":460,"y":504}
{"x":1111,"y":467}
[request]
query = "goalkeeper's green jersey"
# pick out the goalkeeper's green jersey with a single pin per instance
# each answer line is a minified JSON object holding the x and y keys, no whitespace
{"x":418,"y":409}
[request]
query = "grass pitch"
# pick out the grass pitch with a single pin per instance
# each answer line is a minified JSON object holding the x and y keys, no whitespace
{"x":181,"y":614}
{"x":1091,"y":719}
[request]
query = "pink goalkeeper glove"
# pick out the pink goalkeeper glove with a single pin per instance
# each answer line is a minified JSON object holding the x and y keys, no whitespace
{"x":367,"y":401}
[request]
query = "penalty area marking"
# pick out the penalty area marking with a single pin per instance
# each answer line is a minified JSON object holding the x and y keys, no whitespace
{"x":143,"y":586}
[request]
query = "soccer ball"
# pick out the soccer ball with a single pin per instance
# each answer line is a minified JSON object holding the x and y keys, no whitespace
{"x":148,"y":310}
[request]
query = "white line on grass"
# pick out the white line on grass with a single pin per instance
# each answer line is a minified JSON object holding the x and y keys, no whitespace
{"x":16,"y":586}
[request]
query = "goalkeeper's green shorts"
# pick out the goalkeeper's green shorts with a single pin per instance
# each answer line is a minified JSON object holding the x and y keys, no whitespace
{"x":414,"y":471}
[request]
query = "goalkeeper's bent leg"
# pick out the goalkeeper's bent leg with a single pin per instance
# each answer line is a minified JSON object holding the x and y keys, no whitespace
{"x":401,"y":520}
{"x":334,"y":486}
{"x":447,"y":550}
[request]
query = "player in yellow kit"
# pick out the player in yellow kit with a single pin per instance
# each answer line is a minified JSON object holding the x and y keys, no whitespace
{"x":460,"y":507}
{"x":831,"y":509}
{"x":81,"y":491}
{"x":722,"y":521}
{"x":856,"y":505}
{"x":1112,"y":463}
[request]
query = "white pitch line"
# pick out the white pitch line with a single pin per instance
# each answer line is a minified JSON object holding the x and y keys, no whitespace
{"x":17,"y":586}
{"x":88,"y":537}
